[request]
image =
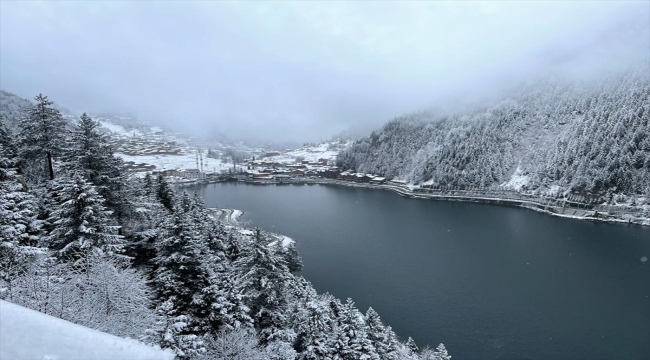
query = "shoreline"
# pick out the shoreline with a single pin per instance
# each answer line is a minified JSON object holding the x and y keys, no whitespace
{"x":554,"y":207}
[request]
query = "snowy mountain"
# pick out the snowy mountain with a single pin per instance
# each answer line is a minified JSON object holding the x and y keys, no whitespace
{"x":551,"y":137}
{"x":29,"y":334}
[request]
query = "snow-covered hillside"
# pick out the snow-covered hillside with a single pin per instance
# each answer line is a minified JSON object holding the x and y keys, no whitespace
{"x":312,"y":153}
{"x":29,"y":334}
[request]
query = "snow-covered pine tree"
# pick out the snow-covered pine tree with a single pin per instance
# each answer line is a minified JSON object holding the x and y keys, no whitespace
{"x":441,"y":353}
{"x":80,"y":222}
{"x":292,"y":258}
{"x":7,"y":142}
{"x":381,"y":336}
{"x":315,"y":339}
{"x":164,"y":193}
{"x":225,"y":303}
{"x":20,"y":228}
{"x":91,"y":156}
{"x":42,"y":137}
{"x":180,"y":271}
{"x":351,"y":335}
{"x":264,"y":276}
{"x":412,"y":346}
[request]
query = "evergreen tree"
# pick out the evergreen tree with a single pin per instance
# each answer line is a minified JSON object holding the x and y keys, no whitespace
{"x":351,"y":335}
{"x":292,"y":257}
{"x":180,"y":274}
{"x":80,"y":221}
{"x":264,"y":277}
{"x":227,"y":309}
{"x":42,"y":134}
{"x":410,"y":344}
{"x":7,"y":145}
{"x":441,"y":353}
{"x":381,"y":337}
{"x":91,"y":156}
{"x":315,"y":338}
{"x":164,"y":193}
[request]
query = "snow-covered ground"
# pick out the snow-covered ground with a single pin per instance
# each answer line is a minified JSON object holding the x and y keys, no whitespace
{"x":286,"y":241}
{"x":181,"y":161}
{"x":29,"y":334}
{"x":226,"y":215}
{"x":313,"y":153}
{"x":517,"y":181}
{"x":118,"y":129}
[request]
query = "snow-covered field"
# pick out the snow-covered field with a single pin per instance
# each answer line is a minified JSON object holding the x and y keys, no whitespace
{"x":313,"y":153}
{"x":181,"y":161}
{"x":29,"y":334}
{"x":117,"y":129}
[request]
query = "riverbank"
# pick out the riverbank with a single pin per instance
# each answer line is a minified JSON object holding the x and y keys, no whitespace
{"x":559,"y":207}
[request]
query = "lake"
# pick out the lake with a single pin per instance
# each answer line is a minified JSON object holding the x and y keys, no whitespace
{"x":490,"y":282}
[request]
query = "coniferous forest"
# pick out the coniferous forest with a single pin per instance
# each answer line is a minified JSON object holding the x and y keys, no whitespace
{"x":549,"y":138}
{"x":82,"y":240}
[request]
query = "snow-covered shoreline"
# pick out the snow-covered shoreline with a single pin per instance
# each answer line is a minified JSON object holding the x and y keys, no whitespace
{"x":226,"y":215}
{"x":536,"y":204}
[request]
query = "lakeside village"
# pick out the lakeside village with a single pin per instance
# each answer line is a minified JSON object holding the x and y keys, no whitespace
{"x":269,"y":168}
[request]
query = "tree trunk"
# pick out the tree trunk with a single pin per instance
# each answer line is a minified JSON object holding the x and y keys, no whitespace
{"x":49,"y":165}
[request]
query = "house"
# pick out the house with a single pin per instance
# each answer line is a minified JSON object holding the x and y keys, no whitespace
{"x":297,"y":172}
{"x":170,"y":172}
{"x":378,"y":180}
{"x":271,"y":153}
{"x":192,"y":174}
{"x":362,"y":178}
{"x":397,"y":182}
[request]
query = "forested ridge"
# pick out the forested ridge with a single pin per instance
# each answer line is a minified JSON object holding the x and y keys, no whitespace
{"x":82,"y":240}
{"x":551,"y":137}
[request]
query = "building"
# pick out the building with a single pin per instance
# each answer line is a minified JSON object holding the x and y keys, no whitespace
{"x":192,"y":174}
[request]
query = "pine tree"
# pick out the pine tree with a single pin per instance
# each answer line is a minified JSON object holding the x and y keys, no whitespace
{"x":42,"y":134}
{"x":164,"y":193}
{"x":20,"y":227}
{"x":315,"y":338}
{"x":292,"y":258}
{"x":381,"y":337}
{"x":441,"y":353}
{"x":410,"y":344}
{"x":80,"y":221}
{"x":226,"y":308}
{"x":91,"y":156}
{"x":7,"y":145}
{"x":351,"y":335}
{"x":264,"y":277}
{"x":180,"y":273}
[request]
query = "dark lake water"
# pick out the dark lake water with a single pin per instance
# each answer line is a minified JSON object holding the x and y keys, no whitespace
{"x":490,"y":282}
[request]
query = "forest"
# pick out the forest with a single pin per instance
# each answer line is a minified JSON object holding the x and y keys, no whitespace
{"x":83,"y":240}
{"x":553,"y":137}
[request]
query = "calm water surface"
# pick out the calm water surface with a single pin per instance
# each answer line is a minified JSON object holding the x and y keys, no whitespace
{"x":490,"y":282}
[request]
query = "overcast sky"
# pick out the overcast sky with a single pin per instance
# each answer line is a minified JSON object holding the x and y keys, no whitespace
{"x":300,"y":71}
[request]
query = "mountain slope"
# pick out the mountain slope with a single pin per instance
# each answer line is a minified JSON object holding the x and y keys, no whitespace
{"x":551,"y":137}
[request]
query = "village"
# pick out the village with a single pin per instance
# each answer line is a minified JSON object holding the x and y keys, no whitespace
{"x":269,"y":168}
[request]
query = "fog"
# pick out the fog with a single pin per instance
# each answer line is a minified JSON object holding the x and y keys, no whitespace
{"x":302,"y":71}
